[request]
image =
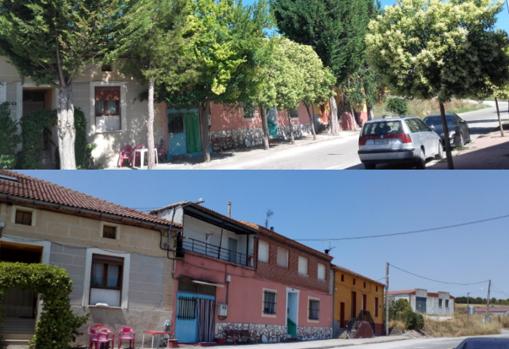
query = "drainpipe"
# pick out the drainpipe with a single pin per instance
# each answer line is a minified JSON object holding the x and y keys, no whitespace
{"x":2,"y":226}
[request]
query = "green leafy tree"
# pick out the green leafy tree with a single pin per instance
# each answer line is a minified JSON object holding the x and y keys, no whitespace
{"x":335,"y":29}
{"x":397,"y":105}
{"x":432,"y":48}
{"x":220,"y":54}
{"x":152,"y":48}
{"x":51,"y":42}
{"x":9,"y":137}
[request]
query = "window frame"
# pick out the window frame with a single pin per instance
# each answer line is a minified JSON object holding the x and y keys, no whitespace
{"x":302,"y":258}
{"x":264,"y":292}
{"x":310,"y":300}
{"x":124,"y":293}
{"x":15,"y":209}
{"x":260,"y":244}
{"x":279,"y":248}
{"x":123,"y":106}
{"x":117,"y":231}
{"x":107,"y":260}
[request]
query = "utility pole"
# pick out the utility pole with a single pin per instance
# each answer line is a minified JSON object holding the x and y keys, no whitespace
{"x":488,"y":300}
{"x":387,"y":267}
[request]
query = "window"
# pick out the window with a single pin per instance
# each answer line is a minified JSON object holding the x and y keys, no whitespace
{"x":447,"y":303}
{"x":320,"y":272}
{"x":364,"y":285}
{"x":263,"y":251}
{"x":420,"y":304}
{"x":440,"y":303}
{"x":109,"y":232}
{"x":23,"y":217}
{"x":314,"y":310}
{"x":413,"y":126}
{"x":354,"y":281}
{"x":294,"y":113}
{"x":108,"y":108}
{"x":303,"y":266}
{"x":342,"y":277}
{"x":106,"y":280}
{"x":269,"y":303}
{"x":282,"y":257}
{"x":364,"y":302}
{"x":249,"y":111}
{"x":377,"y":289}
{"x":376,"y":306}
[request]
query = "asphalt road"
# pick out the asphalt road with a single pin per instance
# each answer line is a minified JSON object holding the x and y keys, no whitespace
{"x":415,"y":344}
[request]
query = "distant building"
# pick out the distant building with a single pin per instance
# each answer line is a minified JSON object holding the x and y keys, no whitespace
{"x":424,"y":302}
{"x":498,"y":310}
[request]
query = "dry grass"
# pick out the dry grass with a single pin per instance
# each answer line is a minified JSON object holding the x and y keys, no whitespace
{"x":461,"y":326}
{"x":397,"y":325}
{"x":423,"y":108}
{"x":503,"y":321}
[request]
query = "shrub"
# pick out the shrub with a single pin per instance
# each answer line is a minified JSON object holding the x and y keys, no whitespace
{"x":397,"y":105}
{"x":82,"y":149}
{"x":35,"y":130}
{"x":414,"y":321}
{"x":57,"y":326}
{"x":9,"y":138}
{"x":401,"y":311}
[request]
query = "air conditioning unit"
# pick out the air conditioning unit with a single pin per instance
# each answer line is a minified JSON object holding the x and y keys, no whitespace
{"x":223,"y":310}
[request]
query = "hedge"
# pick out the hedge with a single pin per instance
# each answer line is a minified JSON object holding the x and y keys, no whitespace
{"x":57,"y":326}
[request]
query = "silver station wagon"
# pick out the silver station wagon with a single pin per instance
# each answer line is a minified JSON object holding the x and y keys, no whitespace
{"x":405,"y":140}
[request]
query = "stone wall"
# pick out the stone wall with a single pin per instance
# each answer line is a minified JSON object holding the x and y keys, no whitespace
{"x":261,"y":333}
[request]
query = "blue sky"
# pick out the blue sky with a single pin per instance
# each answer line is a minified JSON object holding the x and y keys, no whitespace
{"x":339,"y":204}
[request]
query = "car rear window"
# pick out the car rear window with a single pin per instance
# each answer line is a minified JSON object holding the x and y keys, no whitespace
{"x":382,"y":128}
{"x":437,"y":120}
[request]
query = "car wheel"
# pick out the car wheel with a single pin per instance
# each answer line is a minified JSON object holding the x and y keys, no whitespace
{"x":421,"y":162}
{"x":369,"y":166}
{"x":441,"y":152}
{"x":460,"y":140}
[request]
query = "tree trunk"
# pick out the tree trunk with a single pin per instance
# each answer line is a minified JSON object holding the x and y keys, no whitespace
{"x":66,"y":129}
{"x":334,"y":117}
{"x":292,"y":137}
{"x":265,"y":127}
{"x":445,"y":127}
{"x":371,"y":114}
{"x":204,"y":126}
{"x":311,"y":120}
{"x":150,"y":126}
{"x":499,"y":118}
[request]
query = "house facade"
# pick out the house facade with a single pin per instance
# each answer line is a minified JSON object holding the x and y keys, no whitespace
{"x":229,"y":283}
{"x":356,"y":297}
{"x":114,"y":256}
{"x":115,"y":108}
{"x":426,"y":303}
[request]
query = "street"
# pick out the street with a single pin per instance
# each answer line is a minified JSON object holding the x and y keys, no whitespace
{"x":327,"y":153}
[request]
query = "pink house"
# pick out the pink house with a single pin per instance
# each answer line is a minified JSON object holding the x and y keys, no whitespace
{"x":232,"y":285}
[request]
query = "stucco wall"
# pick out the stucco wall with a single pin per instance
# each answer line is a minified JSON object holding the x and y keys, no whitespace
{"x":343,"y":294}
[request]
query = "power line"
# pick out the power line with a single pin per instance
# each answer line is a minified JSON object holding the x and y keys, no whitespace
{"x":413,"y":232}
{"x":439,"y":281}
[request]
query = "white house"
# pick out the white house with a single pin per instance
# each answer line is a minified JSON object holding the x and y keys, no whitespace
{"x":427,"y":303}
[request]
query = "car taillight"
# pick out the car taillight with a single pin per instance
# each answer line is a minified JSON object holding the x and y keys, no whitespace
{"x":363,"y":140}
{"x":405,"y":138}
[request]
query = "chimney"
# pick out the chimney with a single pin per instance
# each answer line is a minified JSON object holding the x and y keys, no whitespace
{"x":230,"y":209}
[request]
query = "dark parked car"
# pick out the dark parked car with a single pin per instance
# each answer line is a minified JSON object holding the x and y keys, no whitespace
{"x":484,"y":343}
{"x":459,"y":133}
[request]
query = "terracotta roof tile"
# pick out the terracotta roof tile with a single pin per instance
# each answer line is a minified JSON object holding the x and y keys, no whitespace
{"x":40,"y":191}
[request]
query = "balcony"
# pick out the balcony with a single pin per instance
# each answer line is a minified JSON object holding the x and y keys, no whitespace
{"x":214,"y":251}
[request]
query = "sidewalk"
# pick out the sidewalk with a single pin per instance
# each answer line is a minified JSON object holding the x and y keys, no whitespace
{"x":236,"y":159}
{"x":323,"y":344}
{"x":490,"y":151}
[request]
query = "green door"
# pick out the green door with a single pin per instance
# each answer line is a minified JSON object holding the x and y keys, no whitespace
{"x":192,"y":129}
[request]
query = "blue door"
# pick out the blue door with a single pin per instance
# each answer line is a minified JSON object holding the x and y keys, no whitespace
{"x":195,"y":316}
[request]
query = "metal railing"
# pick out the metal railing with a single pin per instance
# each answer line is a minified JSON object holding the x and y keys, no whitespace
{"x":218,"y":252}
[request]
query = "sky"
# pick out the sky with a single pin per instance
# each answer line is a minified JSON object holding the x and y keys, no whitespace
{"x":328,"y":205}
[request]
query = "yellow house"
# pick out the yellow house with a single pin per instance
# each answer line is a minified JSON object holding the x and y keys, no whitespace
{"x":355,"y":294}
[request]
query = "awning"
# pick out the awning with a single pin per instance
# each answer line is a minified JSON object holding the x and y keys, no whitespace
{"x":199,"y":282}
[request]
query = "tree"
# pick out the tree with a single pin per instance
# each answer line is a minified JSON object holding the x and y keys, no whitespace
{"x":52,"y":41}
{"x":335,"y":29}
{"x":500,"y":93}
{"x":220,"y":54}
{"x":431,"y":48}
{"x":151,"y":47}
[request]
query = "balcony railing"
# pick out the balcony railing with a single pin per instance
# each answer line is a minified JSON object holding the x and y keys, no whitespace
{"x":217,"y":252}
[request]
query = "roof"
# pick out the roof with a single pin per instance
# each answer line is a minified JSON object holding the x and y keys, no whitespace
{"x":213,"y":217}
{"x":414,"y":291}
{"x":276,"y":236}
{"x":25,"y":190}
{"x":336,"y":267}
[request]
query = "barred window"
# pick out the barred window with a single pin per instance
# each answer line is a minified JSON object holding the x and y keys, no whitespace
{"x":269,"y":303}
{"x":23,"y":217}
{"x":314,"y":309}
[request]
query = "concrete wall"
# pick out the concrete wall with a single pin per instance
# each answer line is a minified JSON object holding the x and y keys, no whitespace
{"x":344,"y":285}
{"x":66,"y":240}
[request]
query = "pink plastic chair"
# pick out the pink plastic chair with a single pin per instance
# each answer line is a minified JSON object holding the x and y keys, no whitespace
{"x":126,"y":154}
{"x":102,"y":336}
{"x":92,"y":333}
{"x":126,"y":334}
